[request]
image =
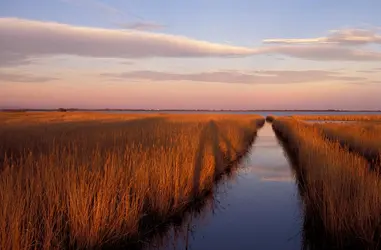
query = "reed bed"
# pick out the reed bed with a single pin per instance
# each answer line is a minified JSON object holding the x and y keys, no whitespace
{"x":361,"y":138}
{"x":89,"y":183}
{"x":59,"y":117}
{"x":360,"y":117}
{"x":37,"y":118}
{"x":341,"y":197}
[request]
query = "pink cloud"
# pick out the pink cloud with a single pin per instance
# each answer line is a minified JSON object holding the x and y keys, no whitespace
{"x":232,"y":76}
{"x":23,"y":39}
{"x":342,"y":37}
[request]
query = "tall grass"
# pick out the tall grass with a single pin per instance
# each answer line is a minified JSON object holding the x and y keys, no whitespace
{"x":93,"y":184}
{"x":360,"y":117}
{"x":362,"y":138}
{"x":341,"y":197}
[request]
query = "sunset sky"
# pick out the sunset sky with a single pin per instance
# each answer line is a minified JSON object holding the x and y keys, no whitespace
{"x":210,"y":54}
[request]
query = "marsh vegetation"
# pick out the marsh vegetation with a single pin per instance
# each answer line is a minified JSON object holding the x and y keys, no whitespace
{"x":342,"y":117}
{"x":340,"y":193}
{"x":92,"y":180}
{"x":361,"y":138}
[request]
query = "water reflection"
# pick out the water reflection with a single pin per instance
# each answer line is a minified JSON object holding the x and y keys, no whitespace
{"x":256,"y":207}
{"x":180,"y":235}
{"x":276,"y":173}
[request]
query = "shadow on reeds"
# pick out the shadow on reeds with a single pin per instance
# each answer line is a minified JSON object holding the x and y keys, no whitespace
{"x":179,"y":228}
{"x":154,"y":227}
{"x":84,"y":168}
{"x":211,"y":135}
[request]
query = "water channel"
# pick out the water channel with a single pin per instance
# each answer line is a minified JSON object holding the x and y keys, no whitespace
{"x":256,"y":207}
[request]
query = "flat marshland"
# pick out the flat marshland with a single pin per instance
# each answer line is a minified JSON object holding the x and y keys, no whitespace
{"x":349,"y":117}
{"x":341,"y":196}
{"x":87,"y":180}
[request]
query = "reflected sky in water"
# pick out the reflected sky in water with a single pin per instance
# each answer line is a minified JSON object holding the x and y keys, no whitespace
{"x":258,"y":208}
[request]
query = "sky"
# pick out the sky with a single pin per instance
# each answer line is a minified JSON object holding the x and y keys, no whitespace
{"x":199,"y":54}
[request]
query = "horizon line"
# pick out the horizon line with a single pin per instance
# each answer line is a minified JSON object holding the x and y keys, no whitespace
{"x":215,"y":110}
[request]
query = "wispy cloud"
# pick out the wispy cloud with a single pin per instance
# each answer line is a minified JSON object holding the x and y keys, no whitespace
{"x":368,"y":82}
{"x":33,"y":38}
{"x":21,"y":77}
{"x":127,"y":63}
{"x":366,"y":71}
{"x":372,"y":70}
{"x":9,"y":58}
{"x":142,"y":25}
{"x":24,"y":39}
{"x":341,"y":37}
{"x":325,"y":53}
{"x":232,"y":76}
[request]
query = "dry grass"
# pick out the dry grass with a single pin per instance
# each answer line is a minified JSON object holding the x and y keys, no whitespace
{"x":87,"y":183}
{"x":374,"y":117}
{"x":58,"y":117}
{"x":362,"y":138}
{"x":342,"y":200}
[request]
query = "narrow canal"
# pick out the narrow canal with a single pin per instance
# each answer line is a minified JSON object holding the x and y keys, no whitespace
{"x":257,"y":207}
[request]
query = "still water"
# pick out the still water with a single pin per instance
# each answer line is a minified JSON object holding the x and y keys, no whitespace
{"x":256,"y":208}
